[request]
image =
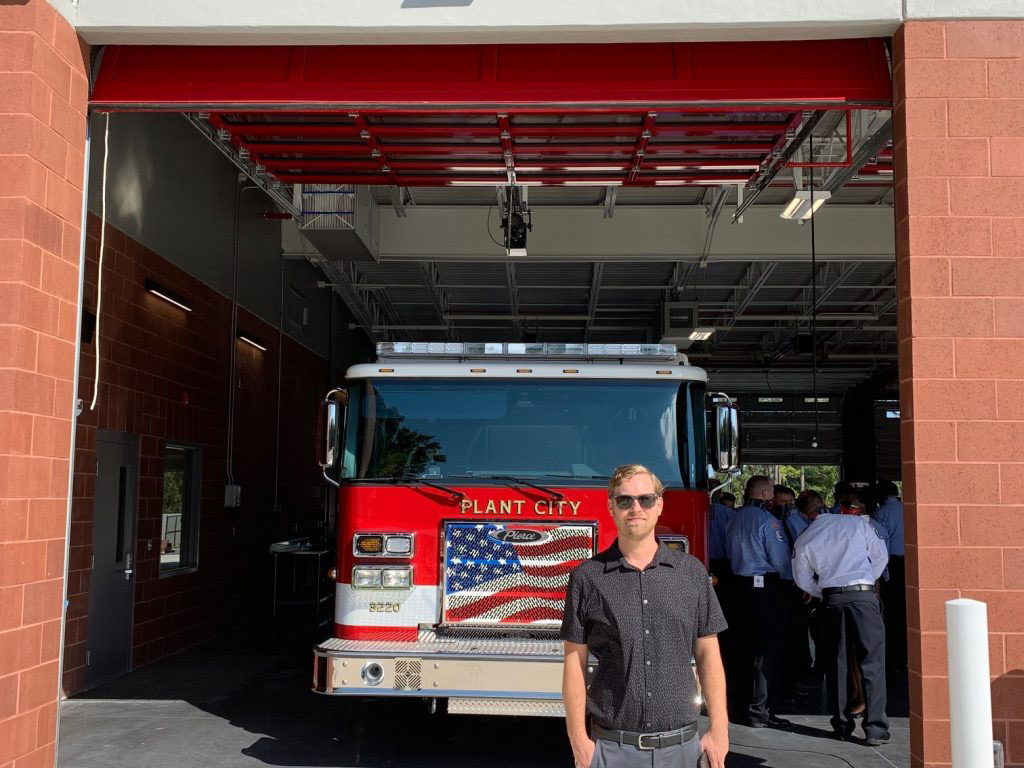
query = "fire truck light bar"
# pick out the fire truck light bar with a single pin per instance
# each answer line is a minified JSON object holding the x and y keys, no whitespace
{"x":391,"y":349}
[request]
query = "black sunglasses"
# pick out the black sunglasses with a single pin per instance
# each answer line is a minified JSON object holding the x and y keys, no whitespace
{"x":647,"y":501}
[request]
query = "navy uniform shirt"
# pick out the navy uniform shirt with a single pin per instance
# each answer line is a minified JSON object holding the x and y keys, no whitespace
{"x":890,"y":518}
{"x":796,"y":523}
{"x":720,"y":517}
{"x":756,"y":544}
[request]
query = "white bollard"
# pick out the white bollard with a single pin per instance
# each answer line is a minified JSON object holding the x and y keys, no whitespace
{"x":970,"y":689}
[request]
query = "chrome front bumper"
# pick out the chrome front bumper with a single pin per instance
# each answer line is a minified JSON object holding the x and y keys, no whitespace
{"x":433,"y":666}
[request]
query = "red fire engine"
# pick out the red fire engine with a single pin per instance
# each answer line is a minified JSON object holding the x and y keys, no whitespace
{"x":472,"y":478}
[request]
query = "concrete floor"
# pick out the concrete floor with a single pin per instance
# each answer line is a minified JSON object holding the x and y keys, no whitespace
{"x":209,"y":708}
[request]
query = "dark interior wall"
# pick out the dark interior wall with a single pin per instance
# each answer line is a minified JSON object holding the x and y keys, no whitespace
{"x":165,"y":377}
{"x":170,"y":190}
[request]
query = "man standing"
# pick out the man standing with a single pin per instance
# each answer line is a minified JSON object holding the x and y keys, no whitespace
{"x":842,"y":494}
{"x":798,"y":651}
{"x":759,"y":556}
{"x":644,"y":611}
{"x":785,"y":499}
{"x":721,"y":513}
{"x":839,"y":558}
{"x":889,"y":517}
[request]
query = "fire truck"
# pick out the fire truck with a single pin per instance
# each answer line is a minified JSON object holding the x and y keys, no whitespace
{"x":471,"y":479}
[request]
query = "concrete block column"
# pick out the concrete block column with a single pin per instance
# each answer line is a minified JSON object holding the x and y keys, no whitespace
{"x":959,"y":147}
{"x":43,"y":94}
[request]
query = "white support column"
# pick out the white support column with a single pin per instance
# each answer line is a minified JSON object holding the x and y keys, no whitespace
{"x":970,"y":690}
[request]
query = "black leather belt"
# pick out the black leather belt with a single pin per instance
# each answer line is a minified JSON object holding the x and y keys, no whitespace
{"x":848,"y":588}
{"x":645,"y":741}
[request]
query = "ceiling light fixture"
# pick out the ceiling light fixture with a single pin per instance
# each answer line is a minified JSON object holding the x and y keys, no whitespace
{"x":802,"y":206}
{"x":251,"y":341}
{"x":167,"y":295}
{"x":701,"y":333}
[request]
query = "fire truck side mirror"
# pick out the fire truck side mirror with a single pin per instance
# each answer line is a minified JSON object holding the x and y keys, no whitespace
{"x":726,"y":438}
{"x":329,"y":423}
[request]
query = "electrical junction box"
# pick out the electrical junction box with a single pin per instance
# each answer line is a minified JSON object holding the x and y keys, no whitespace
{"x":232,"y":496}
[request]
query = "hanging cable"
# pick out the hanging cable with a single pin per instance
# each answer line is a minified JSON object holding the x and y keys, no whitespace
{"x":814,"y":305}
{"x":99,"y":267}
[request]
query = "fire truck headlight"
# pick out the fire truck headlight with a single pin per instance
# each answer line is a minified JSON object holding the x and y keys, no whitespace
{"x":366,"y":578}
{"x":398,"y":578}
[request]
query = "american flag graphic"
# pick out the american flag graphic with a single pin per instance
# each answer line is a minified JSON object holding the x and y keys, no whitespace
{"x":489,"y":581}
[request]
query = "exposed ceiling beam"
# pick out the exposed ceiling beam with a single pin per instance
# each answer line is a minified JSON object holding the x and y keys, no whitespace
{"x":397,"y":201}
{"x":595,"y":288}
{"x":609,"y":201}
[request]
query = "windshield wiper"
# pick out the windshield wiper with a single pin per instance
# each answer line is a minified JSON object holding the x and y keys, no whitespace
{"x":555,"y":495}
{"x":410,"y":479}
{"x":577,"y":477}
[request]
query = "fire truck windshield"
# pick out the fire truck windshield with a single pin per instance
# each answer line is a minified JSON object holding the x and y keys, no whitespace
{"x":576,"y":431}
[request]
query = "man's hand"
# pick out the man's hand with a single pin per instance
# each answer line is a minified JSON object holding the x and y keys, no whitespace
{"x":583,"y":751}
{"x":716,"y":744}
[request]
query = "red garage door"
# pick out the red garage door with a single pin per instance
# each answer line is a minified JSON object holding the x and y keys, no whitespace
{"x":601,"y":114}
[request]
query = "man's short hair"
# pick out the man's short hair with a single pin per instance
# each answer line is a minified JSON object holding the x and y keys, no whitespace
{"x":842,"y":488}
{"x":756,"y":484}
{"x":886,"y":488}
{"x":785,"y":489}
{"x":808,"y":499}
{"x":625,"y":471}
{"x":726,"y":496}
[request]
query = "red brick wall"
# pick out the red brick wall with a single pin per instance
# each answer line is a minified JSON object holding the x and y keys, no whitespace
{"x":959,"y":133}
{"x":164,"y":376}
{"x":42,"y":143}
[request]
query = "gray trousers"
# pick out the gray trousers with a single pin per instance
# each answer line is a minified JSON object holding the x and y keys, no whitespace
{"x":611,"y":754}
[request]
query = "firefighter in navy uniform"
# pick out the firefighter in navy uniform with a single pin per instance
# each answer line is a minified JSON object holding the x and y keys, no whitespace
{"x":839,"y":558}
{"x":759,"y":557}
{"x":889,"y":517}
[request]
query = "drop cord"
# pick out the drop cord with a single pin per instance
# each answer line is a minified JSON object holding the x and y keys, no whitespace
{"x":814,"y":305}
{"x":99,"y":266}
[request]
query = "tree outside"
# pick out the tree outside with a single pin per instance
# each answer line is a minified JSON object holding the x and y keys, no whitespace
{"x":817,"y":477}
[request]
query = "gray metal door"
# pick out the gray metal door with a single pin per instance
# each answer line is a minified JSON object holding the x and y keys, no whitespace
{"x":113,"y":534}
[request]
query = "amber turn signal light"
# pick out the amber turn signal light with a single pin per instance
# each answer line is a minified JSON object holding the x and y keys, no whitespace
{"x":369,"y":545}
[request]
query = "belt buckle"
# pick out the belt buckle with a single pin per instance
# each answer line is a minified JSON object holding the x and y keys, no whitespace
{"x":640,"y":741}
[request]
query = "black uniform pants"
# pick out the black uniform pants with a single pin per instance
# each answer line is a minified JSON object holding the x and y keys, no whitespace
{"x":797,"y":654}
{"x":724,"y":592}
{"x":761,"y":617}
{"x":894,"y":600}
{"x":851,"y":623}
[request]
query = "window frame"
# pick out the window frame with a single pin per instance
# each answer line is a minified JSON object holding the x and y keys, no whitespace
{"x":188,"y":561}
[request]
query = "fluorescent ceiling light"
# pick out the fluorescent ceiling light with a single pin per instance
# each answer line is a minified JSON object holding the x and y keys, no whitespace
{"x":684,"y":182}
{"x":737,"y":167}
{"x":594,"y":168}
{"x":801,"y":207}
{"x":167,"y":295}
{"x":702,"y":333}
{"x":251,"y":341}
{"x":592,"y":183}
{"x":491,"y":183}
{"x":492,"y":168}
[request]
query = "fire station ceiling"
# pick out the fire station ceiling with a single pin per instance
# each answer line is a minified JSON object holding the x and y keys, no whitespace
{"x":656,"y":175}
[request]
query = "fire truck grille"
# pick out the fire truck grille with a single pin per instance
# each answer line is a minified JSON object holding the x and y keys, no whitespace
{"x":510,"y":574}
